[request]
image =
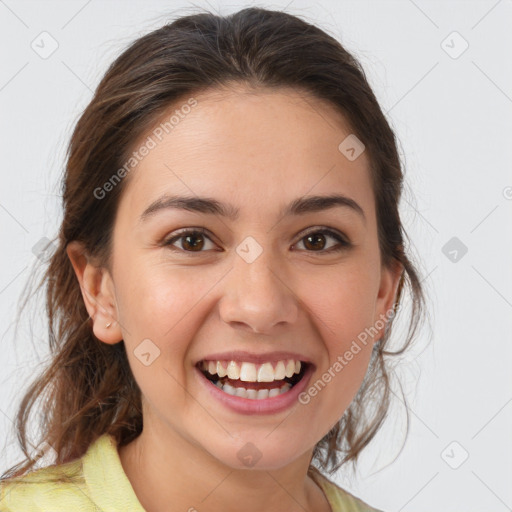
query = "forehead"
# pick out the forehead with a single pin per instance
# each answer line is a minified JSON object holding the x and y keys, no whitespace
{"x":251,"y":149}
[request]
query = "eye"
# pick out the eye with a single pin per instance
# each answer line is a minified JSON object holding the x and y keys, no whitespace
{"x":191,"y":240}
{"x":316,"y":240}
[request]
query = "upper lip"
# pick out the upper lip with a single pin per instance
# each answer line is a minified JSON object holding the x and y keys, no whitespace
{"x":241,"y":356}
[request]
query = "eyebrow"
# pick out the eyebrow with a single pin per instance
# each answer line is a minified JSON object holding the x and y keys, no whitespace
{"x":206,"y":205}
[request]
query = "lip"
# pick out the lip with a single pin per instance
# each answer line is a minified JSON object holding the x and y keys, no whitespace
{"x":249,"y":406}
{"x":241,"y":356}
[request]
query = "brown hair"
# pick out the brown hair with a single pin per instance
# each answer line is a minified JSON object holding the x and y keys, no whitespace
{"x":88,"y":387}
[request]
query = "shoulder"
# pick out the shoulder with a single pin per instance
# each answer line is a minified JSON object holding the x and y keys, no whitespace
{"x":61,"y":487}
{"x":94,"y":482}
{"x":340,"y":499}
{"x":55,"y":488}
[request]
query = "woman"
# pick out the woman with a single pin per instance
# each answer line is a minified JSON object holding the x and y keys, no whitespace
{"x":228,"y":268}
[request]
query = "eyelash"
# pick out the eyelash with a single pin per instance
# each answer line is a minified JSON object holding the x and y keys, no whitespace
{"x":343,"y":244}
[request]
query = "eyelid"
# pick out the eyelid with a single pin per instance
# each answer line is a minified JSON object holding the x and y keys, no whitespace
{"x":341,"y":238}
{"x":323,"y":229}
{"x":180,"y":233}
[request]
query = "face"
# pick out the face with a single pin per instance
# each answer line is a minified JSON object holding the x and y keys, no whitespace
{"x":269,"y":284}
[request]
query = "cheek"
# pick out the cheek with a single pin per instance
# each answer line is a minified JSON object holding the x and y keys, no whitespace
{"x":342,"y":303}
{"x":342,"y":308}
{"x":163,"y":303}
{"x":159,"y":314}
{"x":152,"y":293}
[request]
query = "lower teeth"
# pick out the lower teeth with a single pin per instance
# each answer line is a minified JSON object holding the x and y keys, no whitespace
{"x":254,"y":394}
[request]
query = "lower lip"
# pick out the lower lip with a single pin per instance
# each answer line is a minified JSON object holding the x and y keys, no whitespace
{"x":272,"y":405}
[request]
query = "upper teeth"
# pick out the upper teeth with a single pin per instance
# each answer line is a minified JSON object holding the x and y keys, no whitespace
{"x":250,"y":372}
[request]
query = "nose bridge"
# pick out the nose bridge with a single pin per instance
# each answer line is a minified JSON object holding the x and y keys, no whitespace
{"x":255,"y":293}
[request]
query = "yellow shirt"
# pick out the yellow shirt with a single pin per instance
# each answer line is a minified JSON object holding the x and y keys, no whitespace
{"x":97,"y":482}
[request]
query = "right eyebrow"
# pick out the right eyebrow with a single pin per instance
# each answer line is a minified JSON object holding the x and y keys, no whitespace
{"x":300,"y":206}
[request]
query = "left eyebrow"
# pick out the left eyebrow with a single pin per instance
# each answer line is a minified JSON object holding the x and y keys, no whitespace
{"x":210,"y":206}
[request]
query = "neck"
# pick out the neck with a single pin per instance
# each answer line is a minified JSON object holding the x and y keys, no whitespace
{"x":184,"y":474}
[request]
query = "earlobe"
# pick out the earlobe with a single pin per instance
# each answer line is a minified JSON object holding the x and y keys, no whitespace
{"x":95,"y":285}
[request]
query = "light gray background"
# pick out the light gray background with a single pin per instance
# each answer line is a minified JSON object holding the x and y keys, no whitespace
{"x":453,"y":117}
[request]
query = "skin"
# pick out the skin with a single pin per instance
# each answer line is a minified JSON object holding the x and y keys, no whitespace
{"x":258,"y":152}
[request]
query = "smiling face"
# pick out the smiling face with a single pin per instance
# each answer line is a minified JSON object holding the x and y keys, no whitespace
{"x":268,"y":281}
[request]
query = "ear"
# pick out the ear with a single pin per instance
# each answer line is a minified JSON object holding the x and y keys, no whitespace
{"x":385,"y":303}
{"x":98,"y":293}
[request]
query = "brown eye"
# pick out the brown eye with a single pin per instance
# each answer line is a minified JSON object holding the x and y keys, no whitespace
{"x":315,"y":241}
{"x":195,"y":242}
{"x":191,"y":240}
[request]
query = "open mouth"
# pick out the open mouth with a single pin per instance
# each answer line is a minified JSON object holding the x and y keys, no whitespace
{"x":253,"y":390}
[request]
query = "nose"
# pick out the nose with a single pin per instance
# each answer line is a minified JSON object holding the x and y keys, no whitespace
{"x":258,"y":297}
